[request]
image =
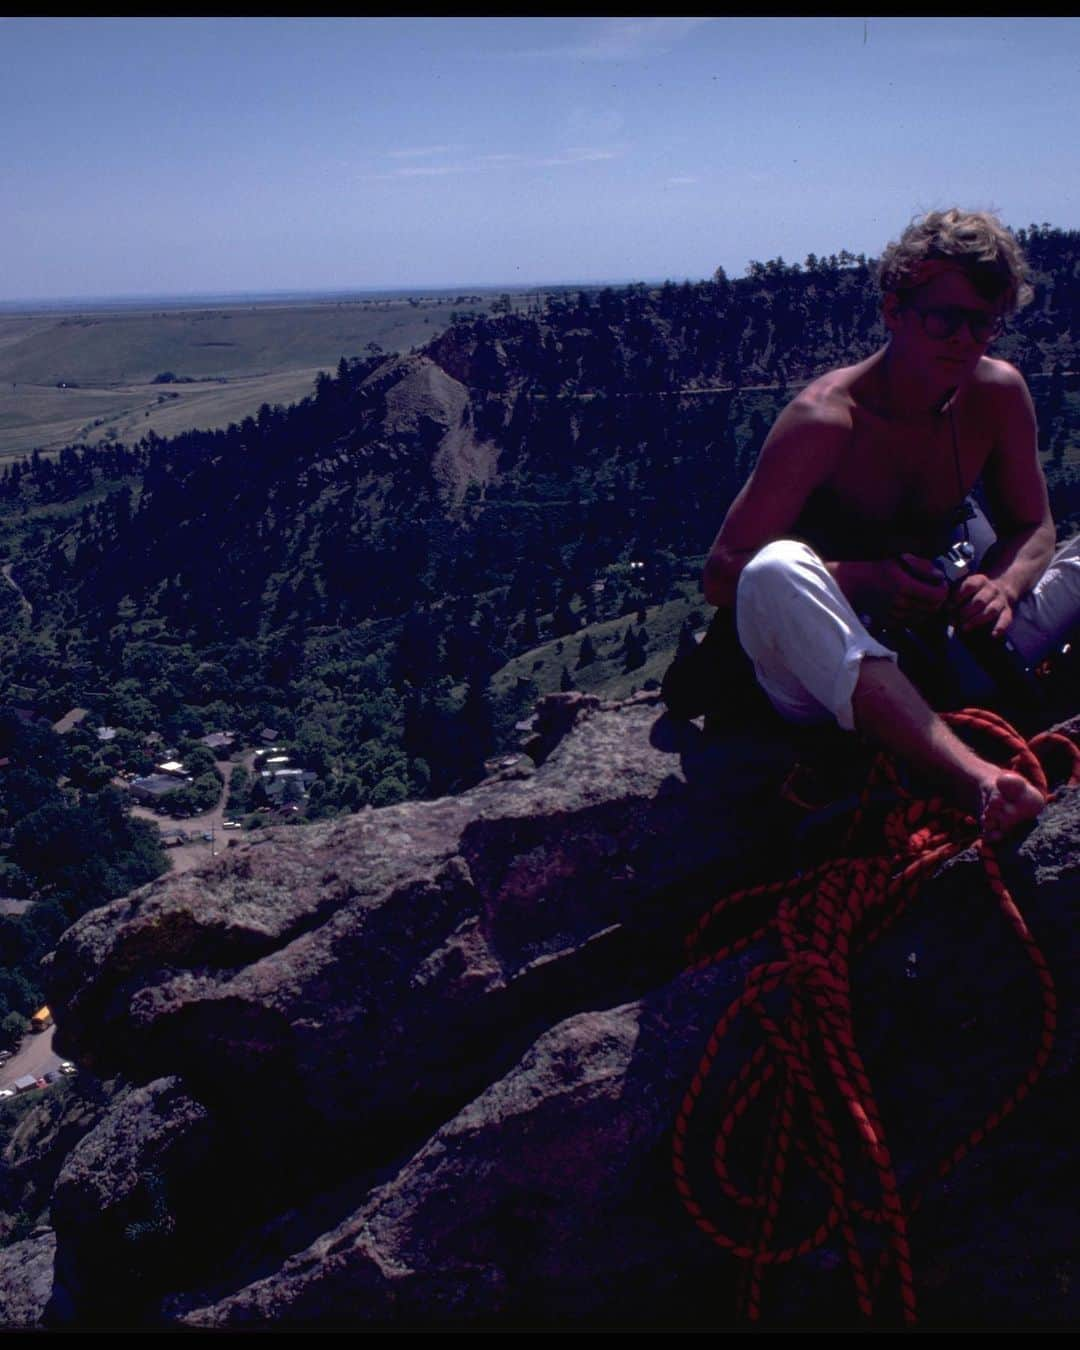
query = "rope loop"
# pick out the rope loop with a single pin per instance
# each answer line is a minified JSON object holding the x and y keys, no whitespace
{"x":805,"y":1089}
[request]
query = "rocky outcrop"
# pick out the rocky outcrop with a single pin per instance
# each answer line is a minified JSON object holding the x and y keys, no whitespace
{"x":419,"y":1067}
{"x":26,"y":1281}
{"x":423,"y":404}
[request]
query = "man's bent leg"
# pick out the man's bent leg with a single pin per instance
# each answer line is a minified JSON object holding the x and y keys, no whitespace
{"x":1048,"y":613}
{"x":800,"y":631}
{"x":890,"y":711}
{"x":814,"y":658}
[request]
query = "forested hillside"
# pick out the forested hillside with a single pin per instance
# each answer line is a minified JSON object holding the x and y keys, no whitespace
{"x":363,"y":573}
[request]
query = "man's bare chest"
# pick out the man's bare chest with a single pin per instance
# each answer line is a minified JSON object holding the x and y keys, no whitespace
{"x":908,"y":471}
{"x":895,"y":488}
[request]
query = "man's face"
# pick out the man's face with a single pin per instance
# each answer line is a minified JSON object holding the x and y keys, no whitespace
{"x":944,"y":326}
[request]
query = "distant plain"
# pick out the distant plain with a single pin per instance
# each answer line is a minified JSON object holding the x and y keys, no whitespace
{"x":85,"y":375}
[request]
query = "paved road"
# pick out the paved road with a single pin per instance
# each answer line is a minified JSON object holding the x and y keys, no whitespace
{"x":35,"y":1056}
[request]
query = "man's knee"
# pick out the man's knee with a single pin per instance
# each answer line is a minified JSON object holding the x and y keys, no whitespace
{"x":1050,"y":613}
{"x":774,"y":594}
{"x":774,"y":570}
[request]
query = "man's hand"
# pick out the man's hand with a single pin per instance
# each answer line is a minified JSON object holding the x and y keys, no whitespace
{"x":902,"y":590}
{"x":914,"y":588}
{"x":981,"y":602}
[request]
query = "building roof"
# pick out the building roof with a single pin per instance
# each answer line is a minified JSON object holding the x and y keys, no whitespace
{"x":70,"y":719}
{"x":157,"y":784}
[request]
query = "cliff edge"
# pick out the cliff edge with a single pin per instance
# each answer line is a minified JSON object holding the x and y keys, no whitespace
{"x":419,"y":1067}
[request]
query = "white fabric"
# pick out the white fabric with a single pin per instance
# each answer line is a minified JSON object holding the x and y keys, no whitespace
{"x":797,"y":626}
{"x":808,"y":644}
{"x":1045,"y":615}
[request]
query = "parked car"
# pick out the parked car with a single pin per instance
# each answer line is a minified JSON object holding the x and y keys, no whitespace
{"x":5,"y":1055}
{"x":66,"y":1067}
{"x":6,"y":1092}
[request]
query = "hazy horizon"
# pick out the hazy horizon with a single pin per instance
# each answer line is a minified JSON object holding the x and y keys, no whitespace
{"x":137,"y":299}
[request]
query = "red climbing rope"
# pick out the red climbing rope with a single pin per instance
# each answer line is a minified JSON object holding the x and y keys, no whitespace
{"x":808,"y":1059}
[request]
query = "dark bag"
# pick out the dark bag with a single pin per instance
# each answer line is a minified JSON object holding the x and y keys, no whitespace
{"x":715,"y":678}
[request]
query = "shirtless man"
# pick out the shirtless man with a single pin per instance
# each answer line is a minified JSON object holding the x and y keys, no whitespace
{"x":860,"y":484}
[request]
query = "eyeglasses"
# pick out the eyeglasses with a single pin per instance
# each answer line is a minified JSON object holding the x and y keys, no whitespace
{"x":944,"y":321}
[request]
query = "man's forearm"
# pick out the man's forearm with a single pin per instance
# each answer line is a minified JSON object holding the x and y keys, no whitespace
{"x":721,"y":577}
{"x":1017,"y":561}
{"x":855,"y":580}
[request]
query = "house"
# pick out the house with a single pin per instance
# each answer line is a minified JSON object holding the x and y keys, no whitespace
{"x":70,"y":719}
{"x":219,"y":740}
{"x":153,"y":787}
{"x":41,"y":1019}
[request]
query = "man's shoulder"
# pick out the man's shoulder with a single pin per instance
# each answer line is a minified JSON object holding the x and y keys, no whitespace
{"x":995,"y":376}
{"x":826,"y":403}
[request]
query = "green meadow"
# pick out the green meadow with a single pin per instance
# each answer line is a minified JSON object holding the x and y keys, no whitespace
{"x":90,"y":375}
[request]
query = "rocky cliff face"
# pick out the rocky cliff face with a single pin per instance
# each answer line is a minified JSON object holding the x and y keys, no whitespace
{"x":420,"y":1067}
{"x":423,"y":404}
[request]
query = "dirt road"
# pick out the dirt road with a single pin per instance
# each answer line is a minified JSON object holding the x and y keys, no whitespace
{"x":27,"y":607}
{"x":206,"y":835}
{"x":35,"y":1056}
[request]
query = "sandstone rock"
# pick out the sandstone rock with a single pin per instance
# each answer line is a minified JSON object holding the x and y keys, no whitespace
{"x":424,"y":1062}
{"x":26,"y":1281}
{"x":121,"y":1194}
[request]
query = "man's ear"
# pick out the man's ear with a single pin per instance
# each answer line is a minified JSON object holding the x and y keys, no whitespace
{"x":890,"y":309}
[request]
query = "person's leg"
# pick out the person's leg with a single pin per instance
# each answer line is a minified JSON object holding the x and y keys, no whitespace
{"x":815,"y":659}
{"x":1051,"y":611}
{"x":801,"y":633}
{"x":891,"y":712}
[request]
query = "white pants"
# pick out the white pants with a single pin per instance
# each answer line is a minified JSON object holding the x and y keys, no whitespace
{"x":807,"y":643}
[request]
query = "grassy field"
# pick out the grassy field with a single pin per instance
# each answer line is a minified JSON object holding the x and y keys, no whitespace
{"x":83,"y":376}
{"x":542,"y":666}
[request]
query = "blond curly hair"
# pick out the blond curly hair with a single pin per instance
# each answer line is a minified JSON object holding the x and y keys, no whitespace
{"x":974,"y":241}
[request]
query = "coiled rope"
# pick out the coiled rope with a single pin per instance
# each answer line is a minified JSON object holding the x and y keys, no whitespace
{"x":809,"y":1057}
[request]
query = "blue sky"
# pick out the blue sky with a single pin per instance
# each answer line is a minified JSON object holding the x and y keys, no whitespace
{"x":160,"y":156}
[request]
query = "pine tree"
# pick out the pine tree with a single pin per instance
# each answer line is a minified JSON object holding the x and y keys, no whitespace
{"x":634,"y":650}
{"x":687,"y":642}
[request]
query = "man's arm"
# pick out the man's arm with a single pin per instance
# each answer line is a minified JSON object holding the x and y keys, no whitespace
{"x":799,"y":454}
{"x":1019,"y":506}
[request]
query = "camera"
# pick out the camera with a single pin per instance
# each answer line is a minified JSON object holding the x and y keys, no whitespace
{"x":955,"y":563}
